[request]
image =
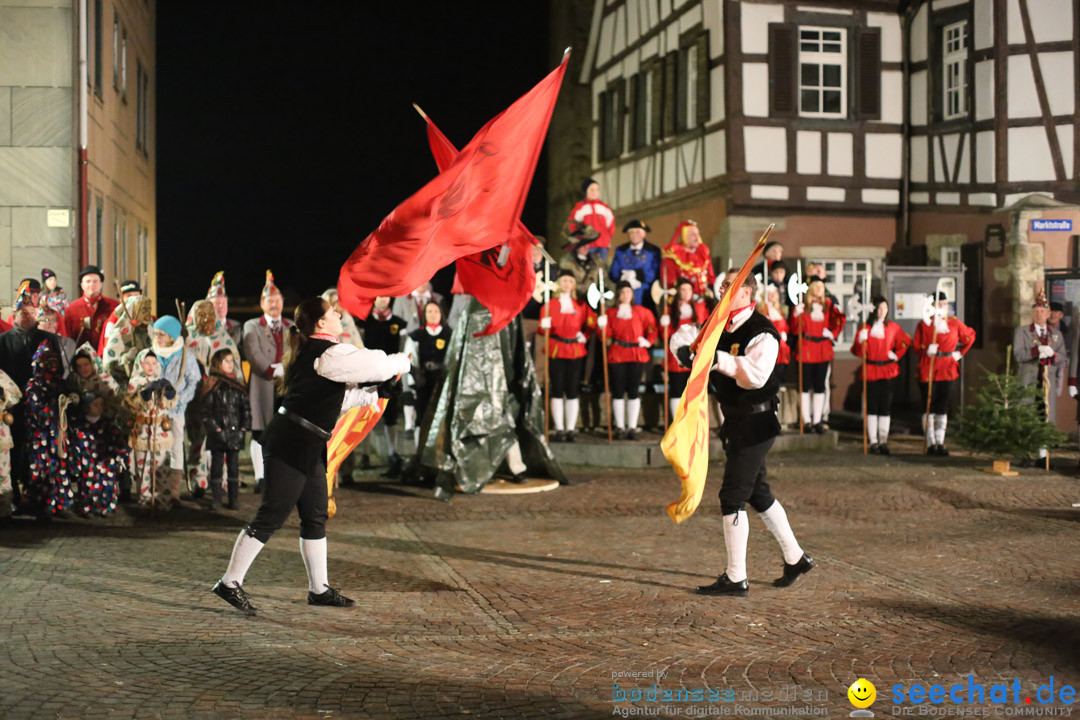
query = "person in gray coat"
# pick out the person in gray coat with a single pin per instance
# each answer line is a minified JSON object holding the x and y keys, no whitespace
{"x":1040,"y":352}
{"x":264,"y":345}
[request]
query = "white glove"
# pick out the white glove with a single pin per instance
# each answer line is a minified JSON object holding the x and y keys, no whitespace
{"x":828,"y":333}
{"x":956,"y":355}
{"x":892,"y":355}
{"x":644,"y":342}
{"x":783,"y":336}
{"x":799,"y":309}
{"x":628,"y":275}
{"x":279,"y":371}
{"x":665,"y":320}
{"x":545,"y":323}
{"x":1045,"y":351}
{"x":601,"y":322}
{"x":725,"y":363}
{"x":931,"y":349}
{"x":634,"y":283}
{"x":580,"y":337}
{"x":683,"y":337}
{"x":1072,"y":391}
{"x":863,"y":334}
{"x":400,"y":363}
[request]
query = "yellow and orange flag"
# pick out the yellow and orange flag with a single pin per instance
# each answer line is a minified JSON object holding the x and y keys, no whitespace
{"x":686,"y":442}
{"x":350,"y":431}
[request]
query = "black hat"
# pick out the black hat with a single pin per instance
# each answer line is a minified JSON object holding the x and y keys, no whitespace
{"x":586,"y":183}
{"x":942,"y":296}
{"x":566,"y":273}
{"x":813,"y":279}
{"x":877,"y":300}
{"x":91,"y":270}
{"x":636,"y":224}
{"x":1057,"y":306}
{"x":46,"y":273}
{"x":769,"y":246}
{"x":130,"y":286}
{"x":779,"y":264}
{"x":33,"y":286}
{"x":620,"y":285}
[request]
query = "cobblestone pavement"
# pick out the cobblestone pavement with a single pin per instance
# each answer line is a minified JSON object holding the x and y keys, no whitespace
{"x":528,"y":606}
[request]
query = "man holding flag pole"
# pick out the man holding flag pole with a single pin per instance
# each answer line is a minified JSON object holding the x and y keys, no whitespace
{"x":743,"y":374}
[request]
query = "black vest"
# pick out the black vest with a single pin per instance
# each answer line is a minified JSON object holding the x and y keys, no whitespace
{"x":312,"y":397}
{"x":428,"y":346}
{"x":742,"y":427}
{"x":383,"y":335}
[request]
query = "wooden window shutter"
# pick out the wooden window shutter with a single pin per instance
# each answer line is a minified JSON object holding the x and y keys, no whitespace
{"x":704,"y":79}
{"x":620,"y":117}
{"x":632,"y":110}
{"x":671,"y":62}
{"x":783,"y":57}
{"x":656,"y":108}
{"x":868,"y":73}
{"x":605,"y":125}
{"x":681,"y":90}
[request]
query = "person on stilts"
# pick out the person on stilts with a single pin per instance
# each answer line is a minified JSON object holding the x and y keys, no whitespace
{"x":320,"y":382}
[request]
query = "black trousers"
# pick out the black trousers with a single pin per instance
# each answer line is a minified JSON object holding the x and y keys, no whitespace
{"x":939,"y":404}
{"x":222,"y":459}
{"x":625,"y":379}
{"x":677,"y":384}
{"x":879,"y":395}
{"x":814,"y":376}
{"x":745,"y":478}
{"x":284,"y":488}
{"x":566,"y":376}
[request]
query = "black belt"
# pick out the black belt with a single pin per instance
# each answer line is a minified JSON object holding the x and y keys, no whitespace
{"x":306,"y":424}
{"x":626,"y":344}
{"x":880,"y":362}
{"x":945,"y":354}
{"x":736,"y":411}
{"x":816,"y":338}
{"x":568,"y":341}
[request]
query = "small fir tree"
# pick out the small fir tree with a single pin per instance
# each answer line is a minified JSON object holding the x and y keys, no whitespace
{"x":1005,"y":419}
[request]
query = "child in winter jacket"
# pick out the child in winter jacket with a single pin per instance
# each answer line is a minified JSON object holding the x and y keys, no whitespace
{"x":226,"y":417}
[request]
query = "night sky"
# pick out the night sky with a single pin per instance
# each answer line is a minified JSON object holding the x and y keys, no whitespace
{"x":285,"y":130}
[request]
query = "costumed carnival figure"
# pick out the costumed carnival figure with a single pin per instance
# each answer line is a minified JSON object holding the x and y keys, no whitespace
{"x":882,"y":343}
{"x":128,"y":336}
{"x":593,"y":220}
{"x":1040,"y":352}
{"x":48,"y":488}
{"x":815,"y":324}
{"x":685,"y":310}
{"x":940,"y":341}
{"x":150,"y":400}
{"x":52,"y":294}
{"x":97,"y":452}
{"x":568,"y":323}
{"x":637,"y":262}
{"x":10,"y":395}
{"x":631,"y":333}
{"x":180,"y":368}
{"x":85,"y":318}
{"x":685,"y":256}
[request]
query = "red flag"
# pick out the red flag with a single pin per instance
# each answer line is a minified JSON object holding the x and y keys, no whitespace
{"x":473,"y":205}
{"x":503,"y":290}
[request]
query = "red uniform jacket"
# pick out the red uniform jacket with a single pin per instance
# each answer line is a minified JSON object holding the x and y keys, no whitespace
{"x":816,"y":347}
{"x":567,"y":326}
{"x":678,"y":262}
{"x":598,"y":215}
{"x":698,"y":316}
{"x":78,"y":312}
{"x":641,"y":324}
{"x":781,"y":325}
{"x":959,"y":337}
{"x":878,"y":364}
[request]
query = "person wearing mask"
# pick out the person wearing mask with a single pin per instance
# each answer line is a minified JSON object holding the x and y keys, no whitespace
{"x":882,"y":343}
{"x":52,"y":294}
{"x":180,"y":368}
{"x":85,"y":318}
{"x":631,"y":333}
{"x":320,"y":381}
{"x":264,"y":346}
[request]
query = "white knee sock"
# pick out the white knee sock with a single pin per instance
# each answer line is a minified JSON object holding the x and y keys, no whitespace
{"x":557,"y":413}
{"x":928,"y":428}
{"x":618,"y":413}
{"x":776,"y":520}
{"x":243,"y":554}
{"x":673,"y":403}
{"x":736,"y":534}
{"x":819,"y":404}
{"x":872,"y":428}
{"x":573,"y":405}
{"x":257,"y":459}
{"x":805,"y":402}
{"x":314,"y":554}
{"x":633,"y":411}
{"x":513,"y":459}
{"x":883,"y":423}
{"x":409,"y":413}
{"x":940,"y":421}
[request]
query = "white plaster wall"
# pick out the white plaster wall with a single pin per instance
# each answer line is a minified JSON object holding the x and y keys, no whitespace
{"x":1013,"y":24}
{"x":766,"y":149}
{"x":1029,"y":155}
{"x":714,"y":23}
{"x":619,"y":41}
{"x":1057,"y":71}
{"x":984,"y":90}
{"x":808,"y":152}
{"x":717,"y":108}
{"x":715,"y":154}
{"x":1051,"y":20}
{"x":603,"y":48}
{"x":984,"y":24}
{"x":769,"y":192}
{"x":964,"y":176}
{"x":884,"y":155}
{"x":1065,"y":140}
{"x":952,"y":147}
{"x":983,"y":199}
{"x":892,"y":97}
{"x":918,"y":98}
{"x":841,"y":156}
{"x":670,"y":175}
{"x":947,"y":198}
{"x":891,"y":41}
{"x":649,"y":48}
{"x":919,"y":164}
{"x":918,"y":35}
{"x":825,"y":194}
{"x":633,"y":19}
{"x":626,"y":184}
{"x":754,"y":27}
{"x":1022,"y":99}
{"x":881,"y":197}
{"x":984,"y":152}
{"x":919,"y":198}
{"x":756,"y":89}
{"x":689,"y":19}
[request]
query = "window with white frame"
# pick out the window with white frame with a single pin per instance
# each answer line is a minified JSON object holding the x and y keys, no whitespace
{"x":123,"y":65}
{"x":116,"y":52}
{"x":846,"y":279}
{"x":953,"y":64}
{"x":822,"y":72}
{"x":950,"y":258}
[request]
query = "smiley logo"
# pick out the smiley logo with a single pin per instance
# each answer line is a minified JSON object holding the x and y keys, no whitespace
{"x":862,"y":693}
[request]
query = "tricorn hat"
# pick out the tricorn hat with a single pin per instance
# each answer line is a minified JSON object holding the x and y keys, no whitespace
{"x":636,"y":224}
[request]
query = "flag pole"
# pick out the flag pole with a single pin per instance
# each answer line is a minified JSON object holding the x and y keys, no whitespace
{"x":798,"y":321}
{"x":547,"y":359}
{"x":865,"y":354}
{"x":603,"y":354}
{"x":667,"y":335}
{"x":1046,"y":402}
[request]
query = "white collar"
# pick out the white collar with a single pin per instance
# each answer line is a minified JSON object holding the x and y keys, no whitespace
{"x":738,"y":317}
{"x":1041,"y":329}
{"x":270,"y":321}
{"x":637,"y":247}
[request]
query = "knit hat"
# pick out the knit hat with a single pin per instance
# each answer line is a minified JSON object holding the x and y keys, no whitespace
{"x":23,"y":297}
{"x":46,"y":273}
{"x":91,"y":270}
{"x":270,"y":288}
{"x":217,"y":286}
{"x":169,"y":325}
{"x":130,"y":287}
{"x":586,"y":183}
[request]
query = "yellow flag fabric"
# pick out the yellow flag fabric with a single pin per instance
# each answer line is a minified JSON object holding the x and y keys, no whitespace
{"x":686,"y":442}
{"x":350,"y":431}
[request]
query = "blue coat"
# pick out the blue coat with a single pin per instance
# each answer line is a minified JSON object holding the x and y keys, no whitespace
{"x":646,"y":264}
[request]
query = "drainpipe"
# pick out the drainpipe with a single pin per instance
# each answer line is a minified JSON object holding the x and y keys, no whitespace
{"x":84,"y":110}
{"x":905,"y":181}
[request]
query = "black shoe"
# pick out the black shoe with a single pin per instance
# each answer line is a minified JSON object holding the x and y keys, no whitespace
{"x":258,"y":486}
{"x":792,"y":572}
{"x":883,"y":449}
{"x":568,"y":437}
{"x":632,"y":434}
{"x":215,"y":495}
{"x":519,"y":478}
{"x":723,"y":586}
{"x":558,"y":437}
{"x":875,"y":449}
{"x":931,"y":449}
{"x":198,"y":493}
{"x":125,"y":496}
{"x":942,"y":451}
{"x":330,"y":598}
{"x":235,"y":596}
{"x":820,"y":428}
{"x":365,"y":462}
{"x":394,"y":471}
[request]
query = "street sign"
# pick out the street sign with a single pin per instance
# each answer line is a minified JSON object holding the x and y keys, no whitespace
{"x":1059,"y":225}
